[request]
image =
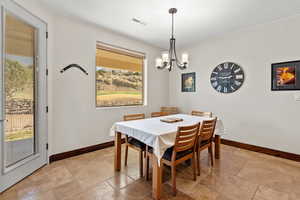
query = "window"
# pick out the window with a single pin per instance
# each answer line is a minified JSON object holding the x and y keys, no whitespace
{"x":119,"y":77}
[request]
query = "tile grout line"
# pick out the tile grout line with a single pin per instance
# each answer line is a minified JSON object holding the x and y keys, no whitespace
{"x":255,"y":193}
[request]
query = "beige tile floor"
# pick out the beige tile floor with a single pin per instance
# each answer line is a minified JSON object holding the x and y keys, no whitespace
{"x":238,"y":175}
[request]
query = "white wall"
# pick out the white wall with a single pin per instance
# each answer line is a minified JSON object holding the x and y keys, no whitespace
{"x":75,"y":122}
{"x":254,"y":114}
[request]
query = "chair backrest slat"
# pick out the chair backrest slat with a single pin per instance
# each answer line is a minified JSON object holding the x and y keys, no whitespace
{"x":184,"y":144}
{"x":201,"y":114}
{"x":158,"y":114}
{"x":133,"y":117}
{"x":183,"y":148}
{"x":207,"y":129}
{"x":186,"y":137}
{"x":184,"y":134}
{"x":169,"y":110}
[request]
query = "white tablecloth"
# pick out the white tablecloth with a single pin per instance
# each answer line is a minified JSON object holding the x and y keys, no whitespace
{"x":157,"y":134}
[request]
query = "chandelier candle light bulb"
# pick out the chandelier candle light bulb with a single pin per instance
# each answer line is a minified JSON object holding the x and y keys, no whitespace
{"x":165,"y":57}
{"x":170,"y":59}
{"x":159,"y":62}
{"x":185,"y":58}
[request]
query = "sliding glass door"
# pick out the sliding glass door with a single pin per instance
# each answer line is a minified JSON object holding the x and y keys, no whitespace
{"x":19,"y":93}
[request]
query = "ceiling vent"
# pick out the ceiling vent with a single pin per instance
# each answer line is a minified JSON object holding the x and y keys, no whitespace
{"x":139,"y":21}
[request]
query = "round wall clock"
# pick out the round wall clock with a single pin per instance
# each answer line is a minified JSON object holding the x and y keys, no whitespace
{"x":227,"y":77}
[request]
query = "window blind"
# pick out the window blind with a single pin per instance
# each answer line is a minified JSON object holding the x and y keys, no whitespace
{"x":119,"y":59}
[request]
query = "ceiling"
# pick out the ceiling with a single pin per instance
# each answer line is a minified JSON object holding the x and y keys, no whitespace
{"x":196,"y":20}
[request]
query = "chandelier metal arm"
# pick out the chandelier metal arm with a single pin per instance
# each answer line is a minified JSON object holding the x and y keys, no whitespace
{"x":179,"y":64}
{"x":174,"y":47}
{"x":170,"y":56}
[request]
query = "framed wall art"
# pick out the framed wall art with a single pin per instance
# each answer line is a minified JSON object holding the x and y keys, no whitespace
{"x":286,"y":76}
{"x":188,"y":82}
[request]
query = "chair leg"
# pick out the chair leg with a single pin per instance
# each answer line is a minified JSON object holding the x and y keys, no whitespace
{"x":194,"y":167}
{"x":147,"y":167}
{"x":211,"y":155}
{"x":141,"y":163}
{"x":198,"y":161}
{"x":126,"y":154}
{"x":173,"y":172}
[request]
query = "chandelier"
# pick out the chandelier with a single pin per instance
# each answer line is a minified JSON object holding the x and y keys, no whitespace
{"x":169,"y":59}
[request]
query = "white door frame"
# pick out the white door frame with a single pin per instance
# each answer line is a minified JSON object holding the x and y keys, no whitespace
{"x":10,"y":176}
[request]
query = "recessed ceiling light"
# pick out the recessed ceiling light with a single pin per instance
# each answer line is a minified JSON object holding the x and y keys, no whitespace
{"x":139,"y":21}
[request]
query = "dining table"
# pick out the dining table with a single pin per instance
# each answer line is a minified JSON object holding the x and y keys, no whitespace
{"x":160,"y":136}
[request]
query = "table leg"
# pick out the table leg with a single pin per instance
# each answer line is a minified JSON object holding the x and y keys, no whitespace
{"x":118,"y":146}
{"x":156,"y":178}
{"x":217,"y":146}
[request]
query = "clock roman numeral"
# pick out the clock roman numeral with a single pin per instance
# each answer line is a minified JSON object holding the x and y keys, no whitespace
{"x":226,"y":65}
{"x":220,"y":67}
{"x":213,"y":78}
{"x":219,"y":88}
{"x":236,"y":71}
{"x":232,"y":66}
{"x":214,"y":84}
{"x":225,"y":90}
{"x":240,"y":76}
{"x":237,"y":83}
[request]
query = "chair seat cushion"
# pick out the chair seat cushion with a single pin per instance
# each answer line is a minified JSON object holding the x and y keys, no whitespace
{"x":136,"y":143}
{"x":168,"y":153}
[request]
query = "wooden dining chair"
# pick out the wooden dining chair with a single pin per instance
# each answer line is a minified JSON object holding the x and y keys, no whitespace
{"x":169,"y":110}
{"x":205,"y":140}
{"x":158,"y":114}
{"x":184,"y":149}
{"x":134,"y":143}
{"x":201,"y":114}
